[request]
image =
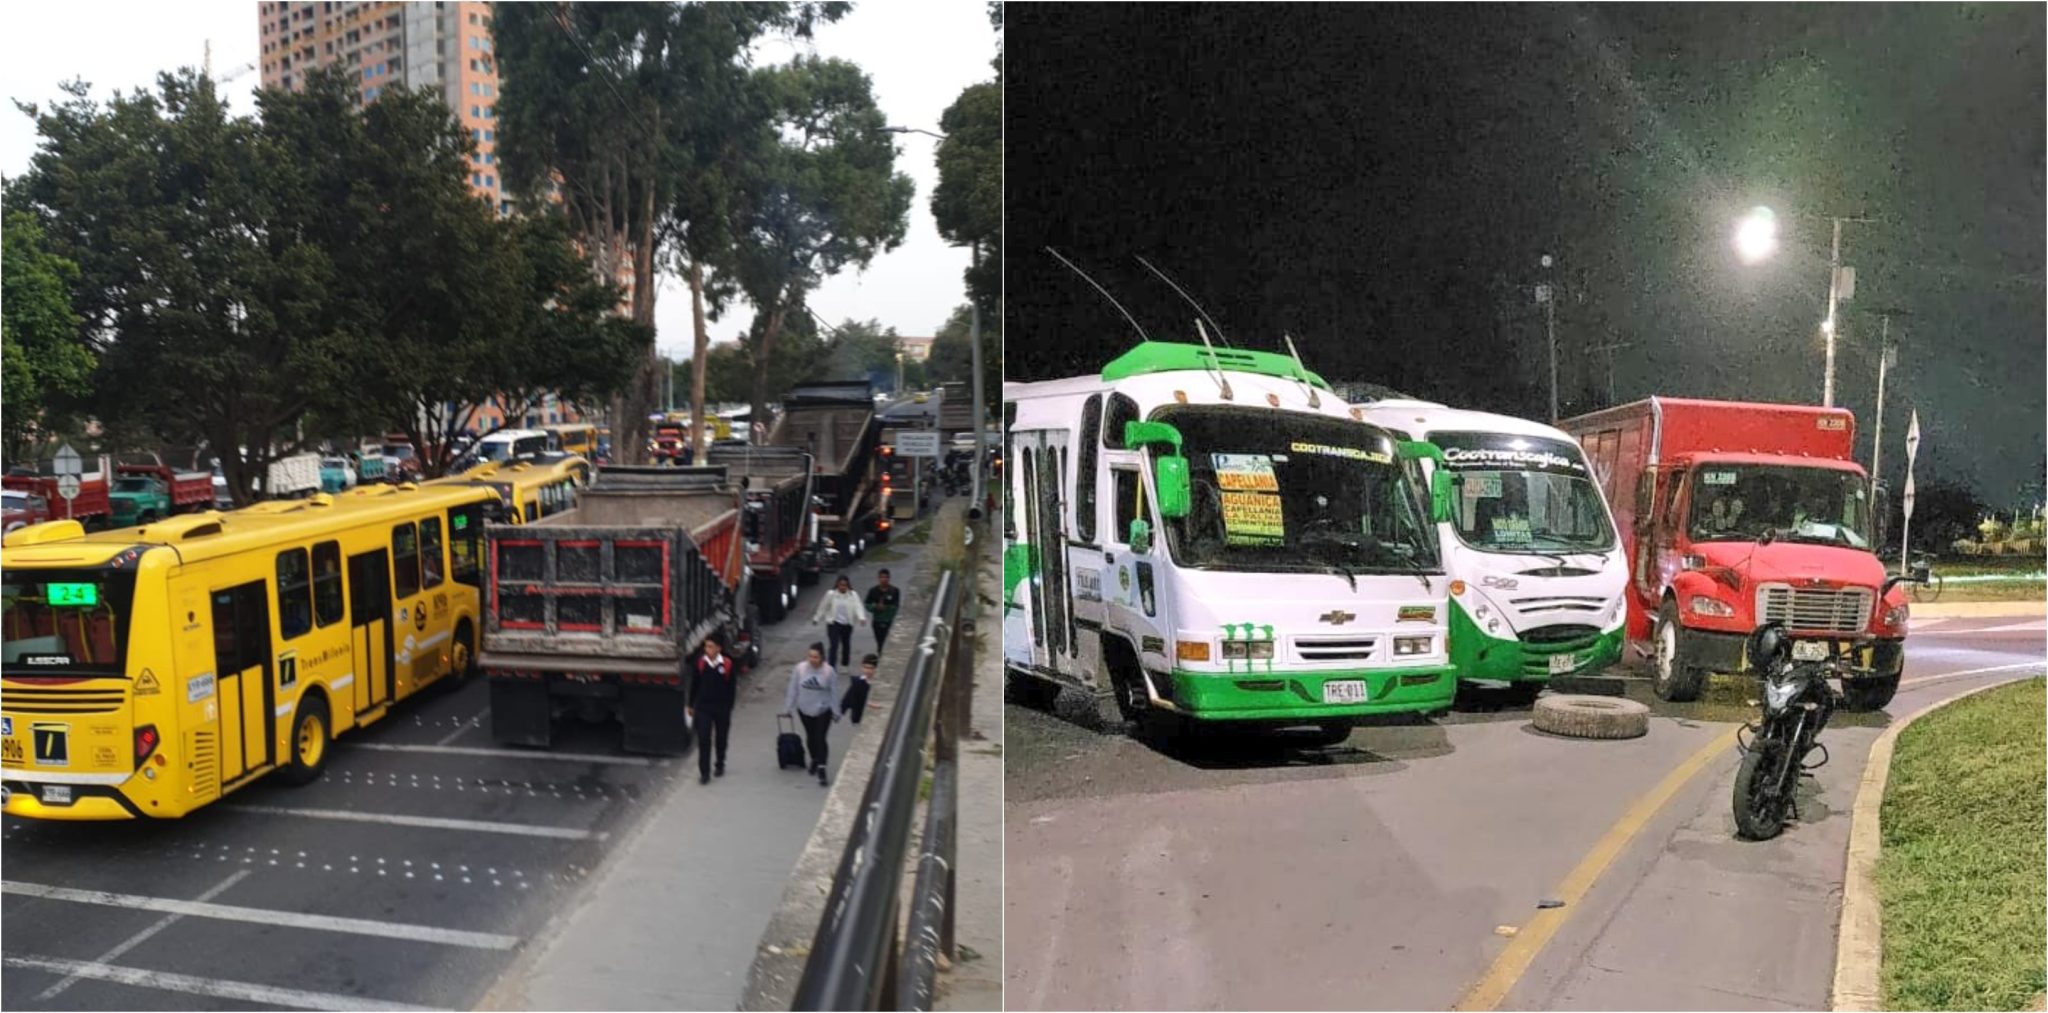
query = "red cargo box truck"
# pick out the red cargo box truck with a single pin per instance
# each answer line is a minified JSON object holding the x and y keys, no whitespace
{"x":1734,"y":515}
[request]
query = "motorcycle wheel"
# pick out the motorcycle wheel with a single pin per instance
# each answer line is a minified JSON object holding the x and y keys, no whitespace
{"x":1759,"y":805}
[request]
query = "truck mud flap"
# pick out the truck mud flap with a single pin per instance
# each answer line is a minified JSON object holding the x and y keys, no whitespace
{"x":520,"y":712}
{"x":654,"y":720}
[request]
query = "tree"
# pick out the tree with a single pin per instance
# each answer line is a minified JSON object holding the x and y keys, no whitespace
{"x":42,"y":349}
{"x":967,"y":204}
{"x":952,"y":357}
{"x":209,"y":307}
{"x":865,"y":348}
{"x":824,"y":196}
{"x":600,"y":102}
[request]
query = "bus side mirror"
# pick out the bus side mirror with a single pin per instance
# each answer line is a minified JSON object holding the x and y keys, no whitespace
{"x":1140,"y":536}
{"x":1171,"y":474}
{"x":1440,"y":497}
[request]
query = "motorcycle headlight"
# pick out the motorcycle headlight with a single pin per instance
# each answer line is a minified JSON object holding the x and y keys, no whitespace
{"x":1778,"y":695}
{"x":1705,"y":606}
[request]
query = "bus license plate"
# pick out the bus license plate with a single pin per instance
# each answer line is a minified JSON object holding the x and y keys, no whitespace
{"x":1809,"y":650}
{"x":1561,"y":664}
{"x":56,"y":794}
{"x":1344,"y":691}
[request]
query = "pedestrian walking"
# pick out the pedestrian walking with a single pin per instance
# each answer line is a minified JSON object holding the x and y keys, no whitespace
{"x":839,"y":610}
{"x":813,"y":696}
{"x":712,"y":692}
{"x":855,"y":702}
{"x":882,"y":602}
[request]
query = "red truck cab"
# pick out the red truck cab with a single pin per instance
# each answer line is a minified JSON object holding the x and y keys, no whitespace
{"x":1734,"y":515}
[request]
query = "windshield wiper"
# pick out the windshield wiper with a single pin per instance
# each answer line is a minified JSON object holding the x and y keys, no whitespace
{"x":1345,"y":572}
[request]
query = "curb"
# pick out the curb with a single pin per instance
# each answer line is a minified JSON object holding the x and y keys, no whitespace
{"x":1980,"y":609}
{"x":1859,"y":946}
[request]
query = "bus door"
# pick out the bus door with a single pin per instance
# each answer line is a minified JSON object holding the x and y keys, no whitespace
{"x":1043,"y":470}
{"x":369,"y":620}
{"x":242,"y":666}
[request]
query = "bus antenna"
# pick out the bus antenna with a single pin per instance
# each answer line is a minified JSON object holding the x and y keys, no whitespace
{"x":1314,"y":401}
{"x":1220,"y":336}
{"x":1221,"y":380}
{"x":1105,"y":292}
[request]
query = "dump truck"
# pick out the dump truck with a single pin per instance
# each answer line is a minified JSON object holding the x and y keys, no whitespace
{"x":785,"y":549}
{"x":835,"y":423}
{"x":594,"y":613}
{"x":146,"y":489}
{"x":89,"y":507}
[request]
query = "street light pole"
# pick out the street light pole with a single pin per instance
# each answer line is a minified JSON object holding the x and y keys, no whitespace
{"x":1884,"y":361}
{"x":1827,"y":390}
{"x":974,"y":342}
{"x":1547,"y":295}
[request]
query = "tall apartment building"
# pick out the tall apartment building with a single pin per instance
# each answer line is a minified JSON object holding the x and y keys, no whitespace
{"x":422,"y":43}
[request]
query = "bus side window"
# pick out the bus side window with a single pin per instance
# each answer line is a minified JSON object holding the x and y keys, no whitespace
{"x":1084,"y":477}
{"x":294,"y":595}
{"x":532,"y":510}
{"x":430,"y":552}
{"x":405,"y":561}
{"x":327,"y":600}
{"x":465,"y":549}
{"x":1126,"y":503}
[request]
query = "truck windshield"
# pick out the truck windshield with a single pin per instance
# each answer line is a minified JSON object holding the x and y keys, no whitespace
{"x":1739,"y":502}
{"x":1517,"y":493}
{"x":1288,"y":491}
{"x":65,"y":621}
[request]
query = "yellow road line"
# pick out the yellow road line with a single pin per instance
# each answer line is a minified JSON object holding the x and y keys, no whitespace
{"x":1521,"y":951}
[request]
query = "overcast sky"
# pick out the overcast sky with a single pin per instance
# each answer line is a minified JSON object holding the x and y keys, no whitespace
{"x":920,"y":57}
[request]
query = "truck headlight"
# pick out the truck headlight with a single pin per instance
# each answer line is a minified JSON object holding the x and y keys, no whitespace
{"x":1705,"y":606}
{"x":1897,"y":615}
{"x":1413,"y":645}
{"x":1241,"y":650}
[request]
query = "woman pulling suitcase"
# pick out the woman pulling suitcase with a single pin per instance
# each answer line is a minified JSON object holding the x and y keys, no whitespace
{"x":813,"y":697}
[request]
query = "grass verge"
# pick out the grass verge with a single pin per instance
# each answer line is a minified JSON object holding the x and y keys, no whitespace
{"x":1961,"y":872}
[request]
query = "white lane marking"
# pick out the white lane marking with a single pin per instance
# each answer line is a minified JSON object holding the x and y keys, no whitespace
{"x":521,"y":754}
{"x":463,"y":726}
{"x":2030,"y":626}
{"x":1971,"y":671}
{"x":429,"y":822}
{"x":239,"y":991}
{"x":143,"y":936}
{"x":264,"y":916}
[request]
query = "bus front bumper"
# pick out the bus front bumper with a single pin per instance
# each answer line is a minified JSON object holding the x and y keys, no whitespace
{"x":1479,"y":655}
{"x":1299,"y":696}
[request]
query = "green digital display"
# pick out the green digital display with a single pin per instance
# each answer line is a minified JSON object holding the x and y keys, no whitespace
{"x":461,"y":521}
{"x":73,"y":595}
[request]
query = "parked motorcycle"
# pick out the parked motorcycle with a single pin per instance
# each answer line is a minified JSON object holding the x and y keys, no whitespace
{"x":1798,"y":698}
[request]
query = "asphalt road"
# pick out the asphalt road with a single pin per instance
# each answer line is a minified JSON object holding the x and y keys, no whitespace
{"x":1391,"y":872}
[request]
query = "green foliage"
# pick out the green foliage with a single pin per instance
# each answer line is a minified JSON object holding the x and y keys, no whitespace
{"x":952,"y":354}
{"x":42,"y":350}
{"x":823,"y":194}
{"x":967,"y":204}
{"x":1960,"y":873}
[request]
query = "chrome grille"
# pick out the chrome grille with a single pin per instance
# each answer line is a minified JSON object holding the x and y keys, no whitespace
{"x":1823,"y":609}
{"x":1336,"y":648}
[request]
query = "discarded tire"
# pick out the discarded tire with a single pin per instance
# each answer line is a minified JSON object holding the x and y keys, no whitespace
{"x":1591,"y":717}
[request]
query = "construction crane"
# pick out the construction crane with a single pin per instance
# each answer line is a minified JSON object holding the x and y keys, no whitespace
{"x":230,"y":75}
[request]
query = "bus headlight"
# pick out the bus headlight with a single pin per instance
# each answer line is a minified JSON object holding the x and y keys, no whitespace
{"x":1242,"y":650}
{"x":1413,"y":645}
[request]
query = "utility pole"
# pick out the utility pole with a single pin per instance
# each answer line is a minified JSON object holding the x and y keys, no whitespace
{"x":1827,"y":390}
{"x":974,"y":344}
{"x":1608,"y":351}
{"x":1548,"y":297}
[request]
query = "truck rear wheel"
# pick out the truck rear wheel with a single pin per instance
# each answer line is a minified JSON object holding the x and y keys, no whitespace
{"x":1670,"y":676}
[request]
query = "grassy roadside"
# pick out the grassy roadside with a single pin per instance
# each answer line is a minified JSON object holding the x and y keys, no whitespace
{"x":1965,"y":844}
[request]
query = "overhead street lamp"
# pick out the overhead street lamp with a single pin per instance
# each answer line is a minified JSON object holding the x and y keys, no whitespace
{"x":1756,"y":238}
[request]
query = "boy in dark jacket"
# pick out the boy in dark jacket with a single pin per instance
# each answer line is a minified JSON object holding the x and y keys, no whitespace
{"x":712,"y":692}
{"x":882,"y":602}
{"x":855,"y":702}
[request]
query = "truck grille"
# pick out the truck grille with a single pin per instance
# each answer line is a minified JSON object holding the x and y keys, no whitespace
{"x":1831,"y":610}
{"x":1338,"y":648}
{"x":63,"y":701}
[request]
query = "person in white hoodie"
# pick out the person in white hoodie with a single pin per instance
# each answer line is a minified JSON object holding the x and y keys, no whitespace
{"x":839,"y":611}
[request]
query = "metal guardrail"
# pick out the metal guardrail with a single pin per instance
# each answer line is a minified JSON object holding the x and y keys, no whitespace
{"x":864,"y":956}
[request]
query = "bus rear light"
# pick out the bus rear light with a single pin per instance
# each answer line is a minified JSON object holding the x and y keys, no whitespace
{"x":146,"y":741}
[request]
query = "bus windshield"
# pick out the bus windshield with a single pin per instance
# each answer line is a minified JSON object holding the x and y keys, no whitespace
{"x":1527,"y":494}
{"x":1739,"y":502}
{"x":65,"y":621}
{"x":1277,"y":491}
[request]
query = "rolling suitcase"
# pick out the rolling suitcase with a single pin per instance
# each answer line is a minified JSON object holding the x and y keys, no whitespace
{"x":789,"y":746}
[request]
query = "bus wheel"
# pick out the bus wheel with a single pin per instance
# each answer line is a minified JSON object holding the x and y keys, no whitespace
{"x":311,"y":735}
{"x":462,"y":664}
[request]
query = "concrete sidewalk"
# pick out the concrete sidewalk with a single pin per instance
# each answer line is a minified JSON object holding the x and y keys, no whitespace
{"x":674,"y":916}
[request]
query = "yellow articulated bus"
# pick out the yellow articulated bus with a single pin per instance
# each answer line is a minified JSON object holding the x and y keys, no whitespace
{"x":530,"y":490}
{"x":151,"y":670}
